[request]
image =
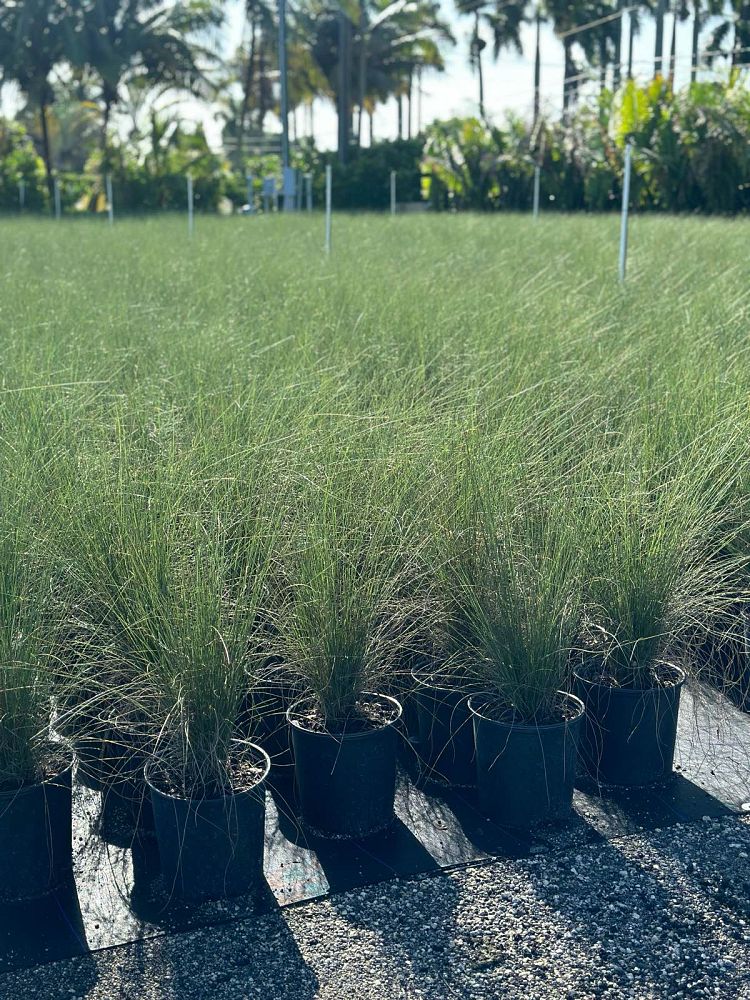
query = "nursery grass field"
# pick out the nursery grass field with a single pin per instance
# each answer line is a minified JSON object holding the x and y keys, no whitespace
{"x":155,"y":389}
{"x":411,"y":321}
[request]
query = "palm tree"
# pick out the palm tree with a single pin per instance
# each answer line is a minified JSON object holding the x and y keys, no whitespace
{"x":52,"y":26}
{"x":148,"y":39}
{"x":566,"y":18}
{"x":735,"y":25}
{"x":373,"y":50}
{"x":504,"y":18}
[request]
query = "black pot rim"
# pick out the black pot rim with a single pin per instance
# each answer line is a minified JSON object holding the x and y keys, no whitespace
{"x":345,"y":736}
{"x":15,"y":793}
{"x":636,"y":692}
{"x":525,"y":726}
{"x":216,"y":798}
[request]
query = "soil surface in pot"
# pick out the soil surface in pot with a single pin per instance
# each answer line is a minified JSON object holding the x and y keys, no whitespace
{"x":660,"y":675}
{"x":368,"y":713}
{"x":498,"y":710}
{"x":243,"y":771}
{"x":54,"y":759}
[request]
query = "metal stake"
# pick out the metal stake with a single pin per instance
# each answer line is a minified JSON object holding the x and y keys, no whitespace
{"x":624,"y":216}
{"x":191,"y":221}
{"x":328,"y":207}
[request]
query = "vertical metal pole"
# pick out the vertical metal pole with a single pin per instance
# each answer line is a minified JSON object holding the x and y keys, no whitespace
{"x":284,"y":109}
{"x":328,"y":207}
{"x":308,"y":184}
{"x":624,"y":216}
{"x":537,"y":177}
{"x":250,"y":201}
{"x":393,"y":192}
{"x":110,"y":202}
{"x":22,"y":194}
{"x":58,"y":200}
{"x":191,"y":221}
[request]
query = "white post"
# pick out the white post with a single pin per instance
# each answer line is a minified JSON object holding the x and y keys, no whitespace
{"x":537,"y":175}
{"x":110,"y":202}
{"x":624,"y":216}
{"x":393,"y":192}
{"x":22,"y":194}
{"x":58,"y":201}
{"x":328,"y":207}
{"x":308,"y":186}
{"x":250,"y":201}
{"x":191,"y":222}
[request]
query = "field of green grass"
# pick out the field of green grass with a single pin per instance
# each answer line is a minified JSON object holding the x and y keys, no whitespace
{"x":211,"y":441}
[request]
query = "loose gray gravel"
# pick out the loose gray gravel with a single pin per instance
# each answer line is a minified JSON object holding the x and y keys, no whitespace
{"x":660,"y":915}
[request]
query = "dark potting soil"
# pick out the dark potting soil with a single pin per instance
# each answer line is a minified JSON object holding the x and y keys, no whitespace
{"x":497,"y":710}
{"x":660,"y":676}
{"x":54,"y":760}
{"x":369,"y":713}
{"x":244,"y":770}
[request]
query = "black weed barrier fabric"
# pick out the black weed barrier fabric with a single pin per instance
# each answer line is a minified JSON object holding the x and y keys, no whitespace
{"x":117,"y":895}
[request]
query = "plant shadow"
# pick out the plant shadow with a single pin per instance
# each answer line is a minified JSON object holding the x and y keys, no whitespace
{"x":47,"y":929}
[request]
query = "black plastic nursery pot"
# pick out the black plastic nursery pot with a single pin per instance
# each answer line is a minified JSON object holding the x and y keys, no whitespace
{"x":112,"y":763}
{"x":36,"y":845}
{"x":630,"y":733}
{"x":445,"y":731}
{"x":211,"y":848}
{"x":525,"y":773}
{"x":346,"y":781}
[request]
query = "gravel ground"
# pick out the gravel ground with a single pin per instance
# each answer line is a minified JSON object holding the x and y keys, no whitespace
{"x":660,"y":915}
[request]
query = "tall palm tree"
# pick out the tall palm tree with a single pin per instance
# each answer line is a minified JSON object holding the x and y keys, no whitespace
{"x":51,"y":24}
{"x":372,"y":49}
{"x":731,"y":37}
{"x":504,"y":19}
{"x":566,"y":18}
{"x":151,"y":39}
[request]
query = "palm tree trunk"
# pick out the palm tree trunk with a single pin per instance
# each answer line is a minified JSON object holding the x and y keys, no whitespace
{"x":617,"y":67}
{"x":344,"y":100}
{"x":400,"y":116}
{"x":247,"y":87}
{"x":419,"y":99}
{"x":261,"y":81}
{"x":362,"y":81}
{"x":673,"y":50}
{"x":696,"y":36}
{"x":537,"y":68}
{"x":408,"y":111}
{"x":659,"y":42}
{"x":602,"y":63}
{"x":567,"y":79}
{"x":631,"y":38}
{"x":371,"y":115}
{"x":480,"y":72}
{"x":741,"y":50}
{"x":47,"y":153}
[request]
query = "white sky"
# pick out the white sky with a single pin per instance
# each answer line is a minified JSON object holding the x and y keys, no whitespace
{"x":508,"y":83}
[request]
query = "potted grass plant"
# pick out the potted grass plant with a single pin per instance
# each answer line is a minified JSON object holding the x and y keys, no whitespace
{"x":197,"y":611}
{"x":178,"y":573}
{"x":340,"y":632}
{"x":35,"y":768}
{"x":510,"y":576}
{"x":662,"y":574}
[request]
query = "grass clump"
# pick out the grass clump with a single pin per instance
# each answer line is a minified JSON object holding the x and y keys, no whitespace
{"x":664,"y":575}
{"x":347,"y":615}
{"x":511,"y":583}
